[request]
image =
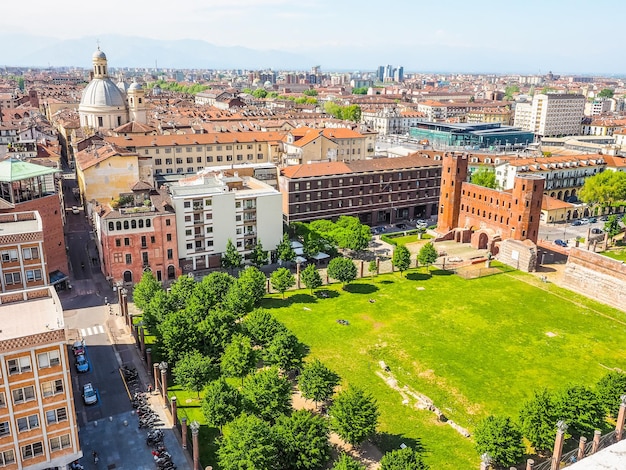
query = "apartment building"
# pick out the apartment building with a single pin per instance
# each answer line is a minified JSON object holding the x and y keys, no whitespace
{"x":190,"y":153}
{"x":212,"y":208}
{"x":550,"y":115}
{"x":564,"y":175}
{"x":38,"y":428}
{"x":138,"y":235}
{"x":307,"y":145}
{"x":391,"y":120}
{"x":22,"y":251}
{"x":378,"y":191}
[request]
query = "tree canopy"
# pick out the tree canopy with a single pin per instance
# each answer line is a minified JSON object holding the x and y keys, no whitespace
{"x":342,"y":269}
{"x":239,"y":358}
{"x":311,"y":277}
{"x":581,"y":409}
{"x":347,"y":113}
{"x":403,"y":459}
{"x":282,"y":280}
{"x":360,"y":90}
{"x":317,"y":382}
{"x":267,"y":394}
{"x":485,"y":176}
{"x":145,"y":290}
{"x":248,"y":443}
{"x":401,"y":258}
{"x":221,"y":403}
{"x":284,"y":251}
{"x":303,"y":440}
{"x":427,"y":254}
{"x":258,"y":255}
{"x":538,"y":420}
{"x":610,"y":389}
{"x":284,"y":351}
{"x":193,"y":371}
{"x":345,"y":462}
{"x":354,"y":415}
{"x":261,"y":327}
{"x":501,"y":439}
{"x":606,"y":93}
{"x":231,"y":258}
{"x":606,"y":188}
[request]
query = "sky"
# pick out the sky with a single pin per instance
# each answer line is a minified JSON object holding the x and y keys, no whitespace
{"x":532,"y":36}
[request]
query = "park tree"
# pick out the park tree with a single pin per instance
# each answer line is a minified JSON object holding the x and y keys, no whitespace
{"x":284,"y":351}
{"x":354,"y":415}
{"x":360,"y":90}
{"x":311,"y":277}
{"x":372,"y":267}
{"x":267,"y":394}
{"x":252,"y":281}
{"x":401,"y":258}
{"x":485,"y":176}
{"x":427,"y":255}
{"x":352,"y":234}
{"x":303,"y":440}
{"x":248,"y":443}
{"x":509,"y":91}
{"x":606,"y":93}
{"x":145,"y":290}
{"x":284,"y":251}
{"x":607,"y":189}
{"x":342,"y":269}
{"x":345,"y":462}
{"x":258,"y":255}
{"x":157,"y":310}
{"x":538,"y":420}
{"x":317,"y":382}
{"x":581,"y":409}
{"x":231,"y":258}
{"x":193,"y":371}
{"x":501,"y":439}
{"x":181,"y":291}
{"x":209,"y":293}
{"x":610,"y":389}
{"x":612,"y":226}
{"x":239,"y":358}
{"x":261,"y":326}
{"x":281,"y":280}
{"x":403,"y":459}
{"x":259,"y":93}
{"x":221,"y":403}
{"x":179,"y":335}
{"x":310,"y":92}
{"x":215,"y":332}
{"x":351,"y":112}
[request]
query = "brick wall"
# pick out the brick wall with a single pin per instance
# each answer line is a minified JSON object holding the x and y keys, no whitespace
{"x":596,"y":276}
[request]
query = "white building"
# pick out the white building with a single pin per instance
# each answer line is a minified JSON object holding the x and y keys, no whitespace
{"x":212,"y":208}
{"x":551,"y":114}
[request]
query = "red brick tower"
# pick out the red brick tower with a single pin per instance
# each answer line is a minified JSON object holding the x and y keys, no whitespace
{"x":526,"y":207}
{"x":454,"y":174}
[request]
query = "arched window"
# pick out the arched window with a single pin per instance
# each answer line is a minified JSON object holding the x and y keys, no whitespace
{"x":118,"y":225}
{"x":133,"y":224}
{"x":140,"y":223}
{"x":126,"y":225}
{"x":128,"y":276}
{"x":148,"y":223}
{"x":111,"y":226}
{"x":171,"y":272}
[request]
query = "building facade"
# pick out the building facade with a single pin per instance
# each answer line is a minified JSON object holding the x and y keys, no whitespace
{"x":213,"y":208}
{"x":377,"y":191}
{"x":551,"y":114}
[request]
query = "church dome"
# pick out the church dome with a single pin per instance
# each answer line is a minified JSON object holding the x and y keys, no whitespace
{"x":102,"y":92}
{"x":123,"y":86}
{"x":99,"y":55}
{"x":134,"y":86}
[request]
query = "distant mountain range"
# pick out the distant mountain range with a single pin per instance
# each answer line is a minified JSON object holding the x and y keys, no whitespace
{"x":127,"y":51}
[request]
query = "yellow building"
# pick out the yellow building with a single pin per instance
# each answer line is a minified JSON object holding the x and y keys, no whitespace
{"x":103,"y":172}
{"x":306,"y":145}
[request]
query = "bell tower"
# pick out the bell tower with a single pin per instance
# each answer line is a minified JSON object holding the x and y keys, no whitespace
{"x":454,"y":174}
{"x":99,"y":60}
{"x":138,"y":111}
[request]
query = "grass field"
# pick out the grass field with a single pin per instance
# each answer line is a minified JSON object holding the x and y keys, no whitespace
{"x":474,"y":347}
{"x":619,"y":255}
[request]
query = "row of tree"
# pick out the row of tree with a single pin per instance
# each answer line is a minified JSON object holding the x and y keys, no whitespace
{"x":350,"y":112}
{"x":401,"y":258}
{"x":583,"y":409}
{"x":326,"y":236}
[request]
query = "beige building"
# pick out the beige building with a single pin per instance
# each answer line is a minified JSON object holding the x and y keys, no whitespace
{"x":551,"y":115}
{"x":306,"y":145}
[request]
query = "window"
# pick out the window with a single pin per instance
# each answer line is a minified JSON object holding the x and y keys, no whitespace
{"x":12,"y":278}
{"x":144,"y":241}
{"x":220,"y":158}
{"x":118,"y":242}
{"x":28,"y":423}
{"x":198,"y":159}
{"x":170,"y":253}
{"x":179,"y":161}
{"x":20,"y":395}
{"x":60,"y":442}
{"x":144,"y":258}
{"x":111,"y":226}
{"x":7,"y":457}
{"x":179,"y":150}
{"x":100,"y":121}
{"x":209,"y":230}
{"x":129,"y":258}
{"x":33,"y":275}
{"x":48,"y":359}
{"x":209,"y":159}
{"x":118,"y":225}
{"x":5,"y":430}
{"x":33,"y":450}
{"x":117,"y":257}
{"x":229,"y":147}
{"x":218,"y":147}
{"x":189,"y":159}
{"x":152,"y":239}
{"x":168,"y":161}
{"x":3,"y":402}
{"x":52,"y":388}
{"x":168,"y":150}
{"x":126,"y":241}
{"x":209,"y":243}
{"x":133,"y":224}
{"x":148,"y":223}
{"x":126,"y":226}
{"x":157,"y":161}
{"x":19,"y":365}
{"x":9,"y":256}
{"x":140,"y":223}
{"x":30,"y":253}
{"x":188,"y":150}
{"x":168,"y":222}
{"x":229,"y":158}
{"x":168,"y":237}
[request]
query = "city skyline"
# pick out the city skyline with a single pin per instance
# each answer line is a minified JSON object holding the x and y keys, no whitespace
{"x":479,"y":36}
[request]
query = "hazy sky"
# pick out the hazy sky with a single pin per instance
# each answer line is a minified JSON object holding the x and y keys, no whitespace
{"x":538,"y":35}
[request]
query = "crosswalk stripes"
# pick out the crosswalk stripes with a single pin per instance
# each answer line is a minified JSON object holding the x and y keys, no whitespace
{"x":95,"y":330}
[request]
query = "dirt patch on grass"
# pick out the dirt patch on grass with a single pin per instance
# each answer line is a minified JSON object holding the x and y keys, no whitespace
{"x":550,"y":334}
{"x":375,"y":325}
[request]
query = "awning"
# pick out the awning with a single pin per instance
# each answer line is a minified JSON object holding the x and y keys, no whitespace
{"x":300,"y":260}
{"x":320,"y":256}
{"x":58,"y":276}
{"x":298,"y":251}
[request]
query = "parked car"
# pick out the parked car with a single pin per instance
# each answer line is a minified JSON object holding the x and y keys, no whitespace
{"x":560,"y":242}
{"x":593,"y":220}
{"x":584,"y":221}
{"x":402,"y":226}
{"x":604,"y":218}
{"x":377,"y":230}
{"x":78,"y":348}
{"x":90,"y":395}
{"x":421,"y":224}
{"x":75,"y":210}
{"x":577,"y":222}
{"x":597,"y":231}
{"x":82,"y":364}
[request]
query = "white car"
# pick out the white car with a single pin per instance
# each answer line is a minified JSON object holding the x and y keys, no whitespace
{"x":90,"y":396}
{"x":75,"y":210}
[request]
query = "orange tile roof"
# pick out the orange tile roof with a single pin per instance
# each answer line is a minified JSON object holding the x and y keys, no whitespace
{"x":551,"y":203}
{"x":615,"y":162}
{"x":92,"y":156}
{"x":315,"y":169}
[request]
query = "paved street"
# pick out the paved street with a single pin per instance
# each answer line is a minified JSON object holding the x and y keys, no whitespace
{"x":566,"y":231}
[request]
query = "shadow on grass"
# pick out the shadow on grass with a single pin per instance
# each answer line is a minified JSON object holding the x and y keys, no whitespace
{"x":360,"y":288}
{"x":418,"y":276}
{"x":326,"y":294}
{"x":387,"y":281}
{"x":387,"y":442}
{"x":441,"y":272}
{"x":277,"y":302}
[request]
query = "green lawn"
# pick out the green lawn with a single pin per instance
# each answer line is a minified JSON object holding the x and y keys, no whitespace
{"x":473,"y":346}
{"x":619,"y":255}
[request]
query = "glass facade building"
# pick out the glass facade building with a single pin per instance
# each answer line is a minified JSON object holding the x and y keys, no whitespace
{"x":471,"y":136}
